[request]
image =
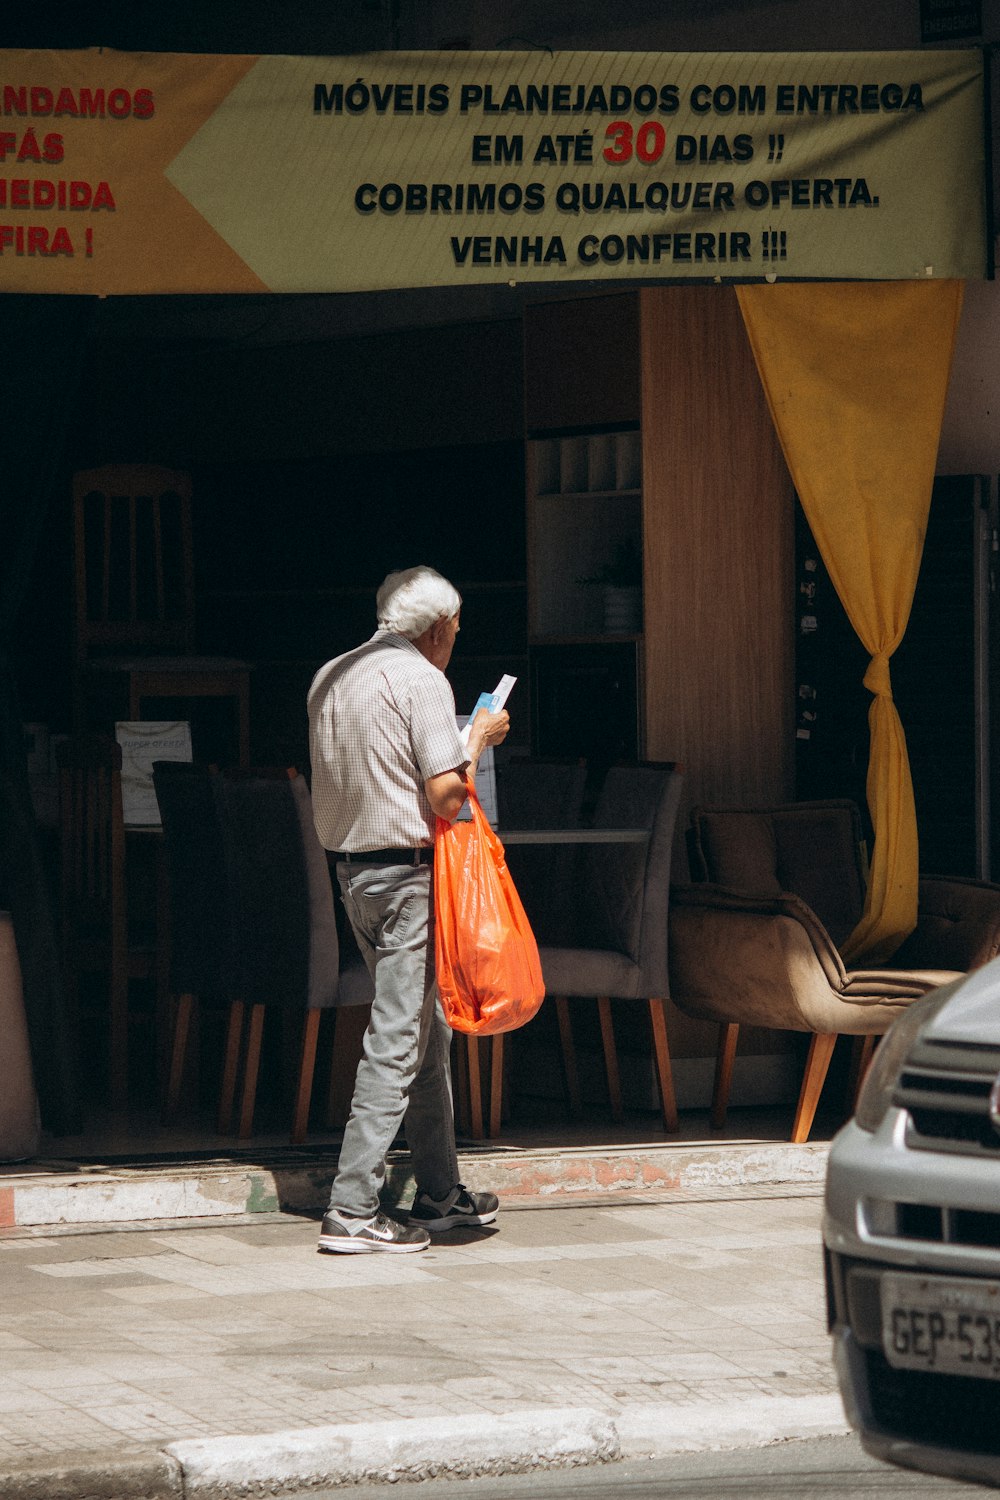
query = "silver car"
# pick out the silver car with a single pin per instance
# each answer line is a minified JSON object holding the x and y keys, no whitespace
{"x":911,"y":1235}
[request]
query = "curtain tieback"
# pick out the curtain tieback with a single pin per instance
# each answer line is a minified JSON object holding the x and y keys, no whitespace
{"x":877,"y":679}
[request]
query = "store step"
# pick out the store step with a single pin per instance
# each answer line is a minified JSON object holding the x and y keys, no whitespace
{"x":231,"y":1184}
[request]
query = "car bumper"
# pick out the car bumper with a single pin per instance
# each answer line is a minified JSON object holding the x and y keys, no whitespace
{"x":888,"y":1208}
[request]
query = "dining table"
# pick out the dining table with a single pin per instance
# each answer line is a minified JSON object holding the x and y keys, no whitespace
{"x":573,"y":835}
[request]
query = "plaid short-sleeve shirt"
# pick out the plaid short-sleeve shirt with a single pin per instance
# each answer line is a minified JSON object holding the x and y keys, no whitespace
{"x":381,"y":722}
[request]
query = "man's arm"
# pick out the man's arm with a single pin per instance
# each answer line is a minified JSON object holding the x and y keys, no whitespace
{"x":446,"y":793}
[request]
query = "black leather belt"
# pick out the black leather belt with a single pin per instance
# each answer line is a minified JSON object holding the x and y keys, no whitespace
{"x":421,"y":856}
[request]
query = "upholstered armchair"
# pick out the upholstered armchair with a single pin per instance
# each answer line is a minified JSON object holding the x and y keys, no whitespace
{"x":754,"y":937}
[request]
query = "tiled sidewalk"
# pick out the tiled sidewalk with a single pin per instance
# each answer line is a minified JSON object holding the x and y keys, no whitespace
{"x":673,"y":1315}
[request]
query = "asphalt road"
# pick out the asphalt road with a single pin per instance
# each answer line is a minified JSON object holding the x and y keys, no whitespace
{"x":817,"y":1469}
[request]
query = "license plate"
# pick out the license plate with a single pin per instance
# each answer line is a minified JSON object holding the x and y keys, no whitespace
{"x":941,"y":1323}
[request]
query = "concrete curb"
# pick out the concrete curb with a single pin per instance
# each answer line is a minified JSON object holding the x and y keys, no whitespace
{"x":113,"y":1475}
{"x":243,"y":1468}
{"x":59,"y":1194}
{"x":417,"y":1448}
{"x":656,"y":1431}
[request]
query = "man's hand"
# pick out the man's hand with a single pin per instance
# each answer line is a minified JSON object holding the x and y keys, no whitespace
{"x":488,"y":729}
{"x":446,"y":793}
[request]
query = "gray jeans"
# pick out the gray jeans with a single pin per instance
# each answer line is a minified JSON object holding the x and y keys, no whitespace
{"x":405,"y":1069}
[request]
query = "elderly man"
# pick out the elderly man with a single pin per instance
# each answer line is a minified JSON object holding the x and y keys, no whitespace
{"x":387,"y":760}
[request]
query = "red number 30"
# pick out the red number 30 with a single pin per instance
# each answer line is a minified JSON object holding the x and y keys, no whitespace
{"x":648,"y":144}
{"x":620,"y":133}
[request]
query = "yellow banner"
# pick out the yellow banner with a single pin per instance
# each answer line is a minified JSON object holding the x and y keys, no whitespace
{"x":167,"y":172}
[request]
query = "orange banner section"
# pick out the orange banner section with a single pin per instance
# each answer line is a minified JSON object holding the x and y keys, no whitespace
{"x":85,"y":202}
{"x":146,"y":172}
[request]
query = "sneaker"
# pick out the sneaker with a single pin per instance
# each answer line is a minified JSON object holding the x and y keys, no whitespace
{"x":345,"y":1234}
{"x":460,"y":1207}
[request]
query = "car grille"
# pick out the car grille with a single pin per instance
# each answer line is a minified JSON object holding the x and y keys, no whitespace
{"x":977,"y":1229}
{"x":944,"y":1087}
{"x":934,"y":1409}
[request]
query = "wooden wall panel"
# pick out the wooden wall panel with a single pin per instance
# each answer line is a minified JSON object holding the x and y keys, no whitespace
{"x":719,"y":555}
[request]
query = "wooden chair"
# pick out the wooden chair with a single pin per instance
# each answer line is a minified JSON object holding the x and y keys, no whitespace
{"x":97,"y":934}
{"x":134,"y":587}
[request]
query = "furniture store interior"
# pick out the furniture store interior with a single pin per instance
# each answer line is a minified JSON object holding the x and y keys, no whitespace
{"x":211,"y":490}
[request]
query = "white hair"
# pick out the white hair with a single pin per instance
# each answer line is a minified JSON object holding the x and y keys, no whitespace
{"x":411,"y":601}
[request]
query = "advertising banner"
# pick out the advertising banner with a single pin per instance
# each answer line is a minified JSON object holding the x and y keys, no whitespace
{"x":124,"y":173}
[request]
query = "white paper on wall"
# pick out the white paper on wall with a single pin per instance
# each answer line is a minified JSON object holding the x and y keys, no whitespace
{"x":144,"y":741}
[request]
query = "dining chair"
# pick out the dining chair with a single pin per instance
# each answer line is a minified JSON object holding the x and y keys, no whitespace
{"x":532,"y":792}
{"x":199,"y":925}
{"x":286,"y":949}
{"x":616,"y":912}
{"x":355,"y":993}
{"x":755,"y":937}
{"x":99,"y":935}
{"x":540,"y":791}
{"x":134,"y":596}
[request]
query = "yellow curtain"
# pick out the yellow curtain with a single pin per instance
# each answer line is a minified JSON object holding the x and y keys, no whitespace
{"x":856,"y":375}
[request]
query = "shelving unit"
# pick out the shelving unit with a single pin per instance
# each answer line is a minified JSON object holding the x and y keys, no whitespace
{"x":646,"y":426}
{"x":584,"y":508}
{"x":594,"y":463}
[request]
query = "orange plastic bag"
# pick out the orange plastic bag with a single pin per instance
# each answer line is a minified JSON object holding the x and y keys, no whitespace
{"x":488,"y":971}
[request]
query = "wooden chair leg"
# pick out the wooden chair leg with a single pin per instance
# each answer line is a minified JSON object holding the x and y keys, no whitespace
{"x":243,"y":711}
{"x":496,"y":1084}
{"x":230,"y":1067}
{"x":862,"y":1051}
{"x":307,"y":1067}
{"x":250,"y":1070}
{"x":569,"y":1057}
{"x":460,"y":1086}
{"x":79,"y":707}
{"x":820,"y":1052}
{"x":162,"y":973}
{"x":505,"y":1086}
{"x":610,"y":1058}
{"x":118,"y":1037}
{"x":475,"y":1088}
{"x":350,"y":1025}
{"x":178,"y":1053}
{"x":725,"y":1056}
{"x":664,"y":1072}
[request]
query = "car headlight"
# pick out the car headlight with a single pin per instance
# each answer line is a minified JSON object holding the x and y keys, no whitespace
{"x":876,"y":1091}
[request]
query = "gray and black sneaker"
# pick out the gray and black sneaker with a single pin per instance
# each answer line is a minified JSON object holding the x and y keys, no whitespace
{"x":347,"y":1235}
{"x":458,"y":1208}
